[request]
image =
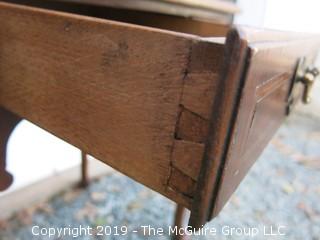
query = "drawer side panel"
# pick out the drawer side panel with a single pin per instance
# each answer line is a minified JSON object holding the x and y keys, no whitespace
{"x":111,"y":89}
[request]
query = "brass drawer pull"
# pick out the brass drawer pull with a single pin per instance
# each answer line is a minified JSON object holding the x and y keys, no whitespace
{"x":308,"y":80}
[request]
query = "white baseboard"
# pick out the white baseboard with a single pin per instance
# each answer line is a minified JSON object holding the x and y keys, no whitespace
{"x":42,"y":190}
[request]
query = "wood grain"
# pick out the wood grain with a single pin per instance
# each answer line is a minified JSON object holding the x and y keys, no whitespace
{"x":263,"y":103}
{"x":187,"y":157}
{"x":224,"y":105}
{"x":114,"y":90}
{"x":179,"y":113}
{"x":192,"y":122}
{"x":110,"y":89}
{"x":249,"y":107}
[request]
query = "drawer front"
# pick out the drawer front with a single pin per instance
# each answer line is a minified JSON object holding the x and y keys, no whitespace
{"x":262,"y":108}
{"x":256,"y":81}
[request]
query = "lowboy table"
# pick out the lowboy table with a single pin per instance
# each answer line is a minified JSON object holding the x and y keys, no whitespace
{"x":182,"y":106}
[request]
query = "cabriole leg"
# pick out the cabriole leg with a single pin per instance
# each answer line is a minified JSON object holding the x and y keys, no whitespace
{"x":8,"y":121}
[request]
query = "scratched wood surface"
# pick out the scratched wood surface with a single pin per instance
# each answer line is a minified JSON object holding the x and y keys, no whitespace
{"x":182,"y":114}
{"x":114,"y":90}
{"x":252,"y":103}
{"x":264,"y":102}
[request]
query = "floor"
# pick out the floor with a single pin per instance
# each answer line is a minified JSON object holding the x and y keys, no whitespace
{"x":282,"y":190}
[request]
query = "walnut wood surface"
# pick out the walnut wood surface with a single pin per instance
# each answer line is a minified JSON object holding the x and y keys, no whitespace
{"x":263,"y":103}
{"x":249,"y":107}
{"x":184,"y":115}
{"x":181,"y":222}
{"x":113,"y":90}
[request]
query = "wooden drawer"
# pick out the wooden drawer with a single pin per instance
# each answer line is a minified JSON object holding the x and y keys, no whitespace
{"x":184,"y":112}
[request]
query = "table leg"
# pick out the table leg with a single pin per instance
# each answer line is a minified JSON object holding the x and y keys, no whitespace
{"x":84,"y":170}
{"x":8,"y":121}
{"x":181,"y":221}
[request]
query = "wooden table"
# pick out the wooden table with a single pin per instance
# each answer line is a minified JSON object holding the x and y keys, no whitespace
{"x":183,"y":106}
